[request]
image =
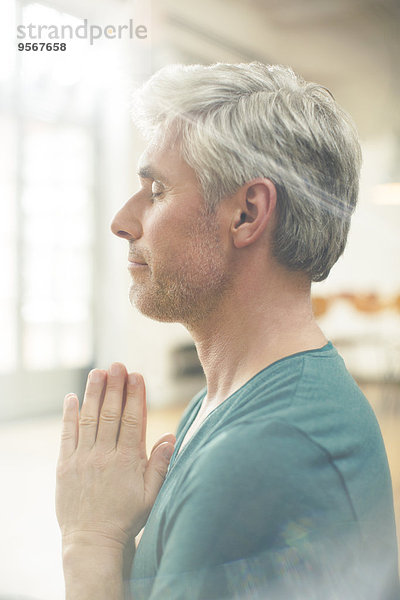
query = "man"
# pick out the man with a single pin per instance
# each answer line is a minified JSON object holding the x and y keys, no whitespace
{"x":278,"y":486}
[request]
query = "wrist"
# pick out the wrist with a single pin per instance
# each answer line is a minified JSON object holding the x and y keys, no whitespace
{"x":93,"y":571}
{"x":74,"y":554}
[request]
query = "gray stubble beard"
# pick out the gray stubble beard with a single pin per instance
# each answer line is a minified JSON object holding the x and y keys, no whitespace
{"x":188,"y":294}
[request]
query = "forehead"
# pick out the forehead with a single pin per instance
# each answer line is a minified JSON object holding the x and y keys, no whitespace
{"x":165,"y":164}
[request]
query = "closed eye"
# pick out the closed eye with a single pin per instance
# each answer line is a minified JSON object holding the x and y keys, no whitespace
{"x":157,"y":190}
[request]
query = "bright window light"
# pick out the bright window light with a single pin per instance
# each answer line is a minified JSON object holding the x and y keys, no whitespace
{"x":387,"y":193}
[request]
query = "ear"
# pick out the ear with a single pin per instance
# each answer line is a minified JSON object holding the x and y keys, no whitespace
{"x":254,"y":211}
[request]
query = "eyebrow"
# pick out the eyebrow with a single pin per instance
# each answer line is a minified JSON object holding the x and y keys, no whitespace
{"x":148,"y":172}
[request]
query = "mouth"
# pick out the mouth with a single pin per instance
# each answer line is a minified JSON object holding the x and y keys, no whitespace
{"x":135,"y":263}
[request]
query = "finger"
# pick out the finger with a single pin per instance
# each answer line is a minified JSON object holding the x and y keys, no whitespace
{"x":110,"y":414}
{"x":89,"y":417}
{"x":156,"y":470}
{"x":69,"y":432}
{"x":144,"y":415}
{"x":166,"y":437}
{"x":131,"y":436}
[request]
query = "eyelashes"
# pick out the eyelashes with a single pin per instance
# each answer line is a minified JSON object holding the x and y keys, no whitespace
{"x":155,"y":196}
{"x":157,"y":190}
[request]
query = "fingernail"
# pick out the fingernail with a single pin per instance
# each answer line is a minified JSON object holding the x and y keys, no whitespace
{"x":115,"y":369}
{"x":69,"y":401}
{"x":132,"y":379}
{"x":168,"y":452}
{"x":95,"y":376}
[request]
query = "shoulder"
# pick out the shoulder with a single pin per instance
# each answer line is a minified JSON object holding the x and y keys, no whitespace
{"x":259,"y":488}
{"x":265,"y":463}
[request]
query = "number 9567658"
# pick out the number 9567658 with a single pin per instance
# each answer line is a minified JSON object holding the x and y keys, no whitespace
{"x":42,"y":46}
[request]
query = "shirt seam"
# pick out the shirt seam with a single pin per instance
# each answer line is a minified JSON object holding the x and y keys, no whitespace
{"x":331,"y":460}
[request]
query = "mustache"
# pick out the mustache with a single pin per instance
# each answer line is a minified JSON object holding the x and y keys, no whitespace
{"x":136,"y":255}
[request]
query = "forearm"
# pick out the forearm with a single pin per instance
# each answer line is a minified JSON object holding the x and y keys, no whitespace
{"x":93,"y":573}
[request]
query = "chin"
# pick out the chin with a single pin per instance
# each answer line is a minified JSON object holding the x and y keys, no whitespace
{"x":153,"y":308}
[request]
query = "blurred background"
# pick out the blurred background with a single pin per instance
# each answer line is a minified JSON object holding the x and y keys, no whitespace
{"x":68,"y":162}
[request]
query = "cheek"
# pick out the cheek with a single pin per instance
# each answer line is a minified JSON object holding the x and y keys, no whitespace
{"x":155,"y":230}
{"x":166,"y":231}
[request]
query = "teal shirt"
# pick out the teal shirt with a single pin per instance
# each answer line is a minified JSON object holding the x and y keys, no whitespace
{"x":283,"y":493}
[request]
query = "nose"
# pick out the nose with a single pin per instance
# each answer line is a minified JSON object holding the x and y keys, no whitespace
{"x":126,"y":223}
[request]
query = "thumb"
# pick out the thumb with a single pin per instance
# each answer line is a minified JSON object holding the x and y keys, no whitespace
{"x":156,"y":470}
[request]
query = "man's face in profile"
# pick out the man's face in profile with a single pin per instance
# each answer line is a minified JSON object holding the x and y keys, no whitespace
{"x":177,"y":259}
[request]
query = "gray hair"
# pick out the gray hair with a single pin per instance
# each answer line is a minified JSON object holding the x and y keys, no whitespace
{"x":235,"y":123}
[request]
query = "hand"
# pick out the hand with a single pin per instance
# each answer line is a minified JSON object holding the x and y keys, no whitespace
{"x":106,"y":485}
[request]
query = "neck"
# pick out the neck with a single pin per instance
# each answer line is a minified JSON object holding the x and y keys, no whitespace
{"x":252,"y":328}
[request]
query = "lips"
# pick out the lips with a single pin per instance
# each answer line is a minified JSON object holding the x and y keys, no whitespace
{"x":136,"y":263}
{"x":136,"y":260}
